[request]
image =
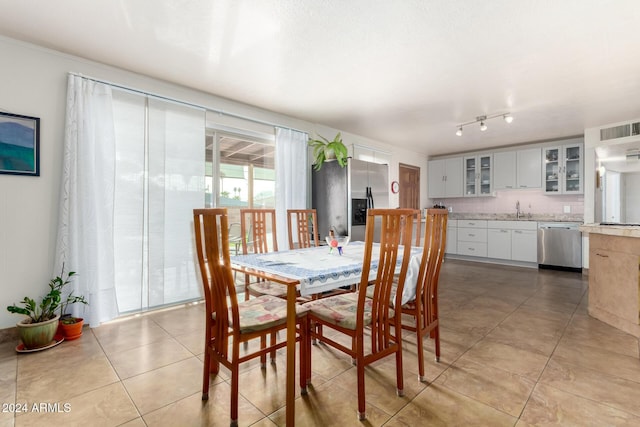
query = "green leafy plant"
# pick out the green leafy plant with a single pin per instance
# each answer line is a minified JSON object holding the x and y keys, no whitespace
{"x":46,"y":309}
{"x":324,"y":149}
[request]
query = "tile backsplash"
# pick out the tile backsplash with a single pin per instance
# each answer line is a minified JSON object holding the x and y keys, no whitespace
{"x":531,"y":201}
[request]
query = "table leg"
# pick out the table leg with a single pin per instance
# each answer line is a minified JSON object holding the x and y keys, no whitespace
{"x":291,"y":355}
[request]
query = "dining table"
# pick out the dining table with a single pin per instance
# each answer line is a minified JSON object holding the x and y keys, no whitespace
{"x":317,"y":269}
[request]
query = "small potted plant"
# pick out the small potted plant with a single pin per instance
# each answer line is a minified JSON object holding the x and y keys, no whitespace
{"x":69,"y":326}
{"x":39,"y":328}
{"x":324,"y":150}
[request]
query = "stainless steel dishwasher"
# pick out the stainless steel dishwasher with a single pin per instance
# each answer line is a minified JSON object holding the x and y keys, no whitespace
{"x":560,"y":246}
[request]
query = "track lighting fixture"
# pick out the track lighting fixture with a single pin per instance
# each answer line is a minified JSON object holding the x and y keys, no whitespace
{"x":482,"y":120}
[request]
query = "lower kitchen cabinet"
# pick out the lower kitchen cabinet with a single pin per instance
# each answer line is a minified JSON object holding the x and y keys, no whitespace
{"x":524,"y":244}
{"x":472,"y":238}
{"x":513,"y":240}
{"x":499,"y":243}
{"x":498,"y":240}
{"x":614,"y":276}
{"x":452,"y":237}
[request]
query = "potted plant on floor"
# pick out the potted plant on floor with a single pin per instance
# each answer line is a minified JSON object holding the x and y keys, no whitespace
{"x":324,"y":150}
{"x":69,"y":326}
{"x":39,"y":328}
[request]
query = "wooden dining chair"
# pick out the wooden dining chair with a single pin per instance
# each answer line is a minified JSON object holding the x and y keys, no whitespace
{"x":259,"y":225}
{"x":229,"y":322}
{"x":424,"y":308}
{"x":306,"y":228}
{"x":417,"y":231}
{"x":352,"y":313}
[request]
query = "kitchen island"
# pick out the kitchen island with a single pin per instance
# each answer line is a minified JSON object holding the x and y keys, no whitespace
{"x":614,"y":275}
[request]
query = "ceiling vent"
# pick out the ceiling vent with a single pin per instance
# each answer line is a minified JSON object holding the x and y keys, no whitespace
{"x":622,"y":131}
{"x":633,"y":155}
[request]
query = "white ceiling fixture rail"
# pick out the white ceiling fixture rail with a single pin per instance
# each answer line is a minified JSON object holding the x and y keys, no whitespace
{"x":482,"y":119}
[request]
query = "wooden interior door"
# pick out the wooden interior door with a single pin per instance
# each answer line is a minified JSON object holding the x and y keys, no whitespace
{"x":409,"y":186}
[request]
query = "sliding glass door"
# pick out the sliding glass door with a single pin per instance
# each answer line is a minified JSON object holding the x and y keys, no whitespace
{"x":240,"y":171}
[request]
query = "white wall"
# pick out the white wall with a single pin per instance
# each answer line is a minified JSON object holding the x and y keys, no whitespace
{"x":33,"y":83}
{"x":632,"y":197}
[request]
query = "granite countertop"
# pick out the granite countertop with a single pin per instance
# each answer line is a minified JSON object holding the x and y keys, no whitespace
{"x":612,"y":230}
{"x":512,"y":217}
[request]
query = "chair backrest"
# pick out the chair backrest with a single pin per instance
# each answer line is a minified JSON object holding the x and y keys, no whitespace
{"x":395,"y":234}
{"x":435,"y":240}
{"x":257,"y":225}
{"x":307,"y":236}
{"x":418,"y":227}
{"x":212,"y":247}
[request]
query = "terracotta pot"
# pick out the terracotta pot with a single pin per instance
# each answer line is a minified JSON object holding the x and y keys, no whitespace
{"x":71,"y":331}
{"x":37,"y":335}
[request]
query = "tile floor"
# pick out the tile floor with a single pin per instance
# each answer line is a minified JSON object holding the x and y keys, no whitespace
{"x":518,"y":348}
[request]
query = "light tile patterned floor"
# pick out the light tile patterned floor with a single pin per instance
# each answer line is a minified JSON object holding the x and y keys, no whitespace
{"x":518,"y":348}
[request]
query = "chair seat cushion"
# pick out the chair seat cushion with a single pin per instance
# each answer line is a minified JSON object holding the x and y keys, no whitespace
{"x":264,"y":312}
{"x":341,"y":310}
{"x":271,"y":288}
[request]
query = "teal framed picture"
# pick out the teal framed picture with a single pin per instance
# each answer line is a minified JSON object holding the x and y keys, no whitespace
{"x":19,"y":145}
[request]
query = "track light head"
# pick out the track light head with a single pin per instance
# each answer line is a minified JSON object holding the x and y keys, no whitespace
{"x":482,"y":120}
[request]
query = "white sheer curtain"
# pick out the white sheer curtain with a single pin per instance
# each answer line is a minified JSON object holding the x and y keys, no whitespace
{"x":85,"y":230}
{"x":291,"y":163}
{"x":160,"y":147}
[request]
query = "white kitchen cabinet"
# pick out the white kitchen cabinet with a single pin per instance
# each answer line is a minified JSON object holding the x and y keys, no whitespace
{"x":499,"y":243}
{"x":563,"y":169}
{"x":528,"y":174}
{"x":452,"y":237}
{"x":477,"y":175}
{"x":524,"y":244}
{"x":512,"y":240}
{"x":504,"y":170}
{"x":445,"y":178}
{"x":472,"y":237}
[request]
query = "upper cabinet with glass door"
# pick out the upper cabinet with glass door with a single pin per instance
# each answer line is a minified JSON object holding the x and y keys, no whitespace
{"x":477,"y":175}
{"x":563,"y":169}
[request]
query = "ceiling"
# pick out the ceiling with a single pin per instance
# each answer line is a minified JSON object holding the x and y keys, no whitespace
{"x":403,"y":72}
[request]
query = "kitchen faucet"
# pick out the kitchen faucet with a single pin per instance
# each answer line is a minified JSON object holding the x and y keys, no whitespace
{"x":518,"y":213}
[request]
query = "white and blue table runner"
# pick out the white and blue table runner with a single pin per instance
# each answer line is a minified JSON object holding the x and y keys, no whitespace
{"x":319,"y":269}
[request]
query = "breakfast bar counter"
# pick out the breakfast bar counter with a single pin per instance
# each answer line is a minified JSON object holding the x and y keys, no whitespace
{"x":614,"y":275}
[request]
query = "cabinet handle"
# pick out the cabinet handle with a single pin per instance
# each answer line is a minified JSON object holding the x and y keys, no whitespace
{"x":508,"y":186}
{"x":472,"y":235}
{"x":523,"y":186}
{"x":504,"y":231}
{"x":472,"y":249}
{"x":517,"y":231}
{"x":601,"y":255}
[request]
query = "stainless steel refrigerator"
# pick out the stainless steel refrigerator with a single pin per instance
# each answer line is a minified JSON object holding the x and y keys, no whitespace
{"x":341,"y":196}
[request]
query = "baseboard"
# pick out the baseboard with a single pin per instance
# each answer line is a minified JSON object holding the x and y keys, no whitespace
{"x":8,"y":335}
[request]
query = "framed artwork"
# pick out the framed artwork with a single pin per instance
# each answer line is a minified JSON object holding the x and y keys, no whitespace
{"x":19,"y":145}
